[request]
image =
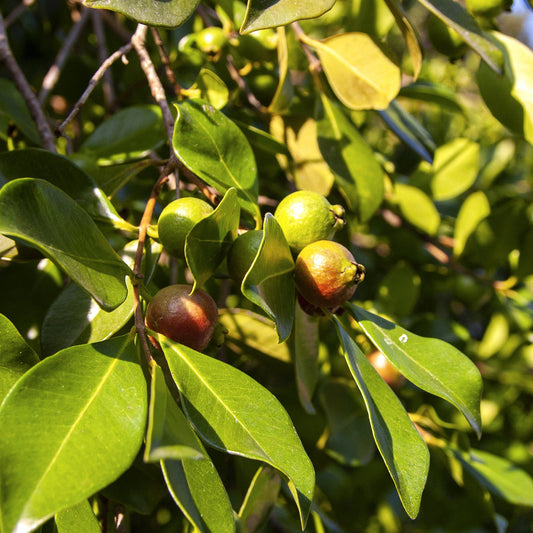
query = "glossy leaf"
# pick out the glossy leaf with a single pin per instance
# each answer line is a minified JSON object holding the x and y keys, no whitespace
{"x":456,"y":16}
{"x":306,"y":343}
{"x":171,"y":13}
{"x":13,"y":107}
{"x":197,"y":489}
{"x":127,"y":135}
{"x":16,"y":356}
{"x":474,"y":209}
{"x":259,"y":500}
{"x":403,"y":450}
{"x":350,"y":439}
{"x":168,"y":435}
{"x":214,"y":148}
{"x":431,"y":364}
{"x":208,"y":242}
{"x":361,"y":75}
{"x":455,"y":168}
{"x":510,"y":97}
{"x":269,"y":282}
{"x":358,"y":174}
{"x":417,"y":208}
{"x":262,"y":14}
{"x":234,"y":413}
{"x":102,"y":392}
{"x":64,"y":232}
{"x":61,"y":172}
{"x":77,"y":518}
{"x":208,"y":87}
{"x":497,"y":474}
{"x":285,"y":90}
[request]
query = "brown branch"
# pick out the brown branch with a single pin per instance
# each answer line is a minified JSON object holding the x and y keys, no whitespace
{"x":36,"y":111}
{"x":107,"y":81}
{"x":17,"y":12}
{"x":51,"y":77}
{"x":239,"y":80}
{"x":166,"y":62}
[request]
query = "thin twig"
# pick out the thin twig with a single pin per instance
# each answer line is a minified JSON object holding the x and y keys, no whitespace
{"x":239,"y":80}
{"x":93,"y":82}
{"x":110,"y":19}
{"x":36,"y":111}
{"x":314,"y":63}
{"x":107,"y":81}
{"x":54,"y":71}
{"x":166,"y":62}
{"x":17,"y":12}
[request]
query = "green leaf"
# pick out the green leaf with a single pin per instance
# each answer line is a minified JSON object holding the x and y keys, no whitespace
{"x":498,"y":475}
{"x":510,"y":97}
{"x":208,"y":87}
{"x":350,"y":438}
{"x":358,"y":174}
{"x":433,"y":93}
{"x":168,"y":435}
{"x":215,"y":149}
{"x":525,"y":262}
{"x":455,"y":168}
{"x":13,"y":106}
{"x":127,"y":135}
{"x":259,"y":500}
{"x":77,"y":518}
{"x":474,"y":209}
{"x":52,"y":450}
{"x":262,"y":14}
{"x":456,"y":16}
{"x":399,"y":290}
{"x":170,"y":13}
{"x":417,"y":208}
{"x":196,"y":487}
{"x":285,"y":90}
{"x":306,"y":342}
{"x":208,"y":242}
{"x":16,"y":356}
{"x":431,"y":364}
{"x":234,"y":413}
{"x":61,"y":172}
{"x":495,"y":337}
{"x":269,"y":282}
{"x":403,"y":450}
{"x":361,"y":75}
{"x":64,"y":232}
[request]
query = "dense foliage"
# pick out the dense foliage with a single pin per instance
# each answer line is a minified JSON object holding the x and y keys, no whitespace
{"x":413,"y":118}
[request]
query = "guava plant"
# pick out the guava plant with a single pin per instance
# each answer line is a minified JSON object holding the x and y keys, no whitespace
{"x":190,"y":194}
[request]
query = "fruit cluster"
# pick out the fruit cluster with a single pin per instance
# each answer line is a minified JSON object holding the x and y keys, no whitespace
{"x":326,"y":274}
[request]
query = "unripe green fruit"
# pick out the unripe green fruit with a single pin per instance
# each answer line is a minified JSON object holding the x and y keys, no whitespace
{"x":326,"y":274}
{"x":177,"y":219}
{"x":488,"y":8}
{"x":445,"y":39}
{"x":189,"y":319}
{"x":306,"y":217}
{"x":211,"y":40}
{"x":242,"y":254}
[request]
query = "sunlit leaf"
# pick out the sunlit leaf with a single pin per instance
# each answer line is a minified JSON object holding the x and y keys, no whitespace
{"x":431,"y":364}
{"x":417,"y":208}
{"x":473,"y":210}
{"x":209,"y":87}
{"x":403,"y":450}
{"x":269,"y":282}
{"x":234,"y":413}
{"x":170,"y":13}
{"x":285,"y":90}
{"x":77,"y":518}
{"x":102,"y":392}
{"x":64,"y":232}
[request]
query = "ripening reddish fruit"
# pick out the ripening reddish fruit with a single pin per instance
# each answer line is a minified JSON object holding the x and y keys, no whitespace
{"x":386,"y":369}
{"x":326,"y":274}
{"x":189,"y":319}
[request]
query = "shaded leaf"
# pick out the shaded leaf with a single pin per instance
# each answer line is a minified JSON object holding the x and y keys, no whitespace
{"x":77,"y":518}
{"x":269,"y":282}
{"x":168,"y":13}
{"x":127,"y":135}
{"x":456,"y":16}
{"x":403,"y":450}
{"x":214,"y":148}
{"x":439,"y":94}
{"x":455,"y":168}
{"x":207,"y":243}
{"x":16,"y":356}
{"x":262,"y":14}
{"x":234,"y":413}
{"x":168,"y":435}
{"x":64,"y":232}
{"x":417,"y":208}
{"x":431,"y":364}
{"x":361,"y":75}
{"x":474,"y":209}
{"x":399,"y":290}
{"x":358,"y":174}
{"x":102,"y":392}
{"x":260,"y":499}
